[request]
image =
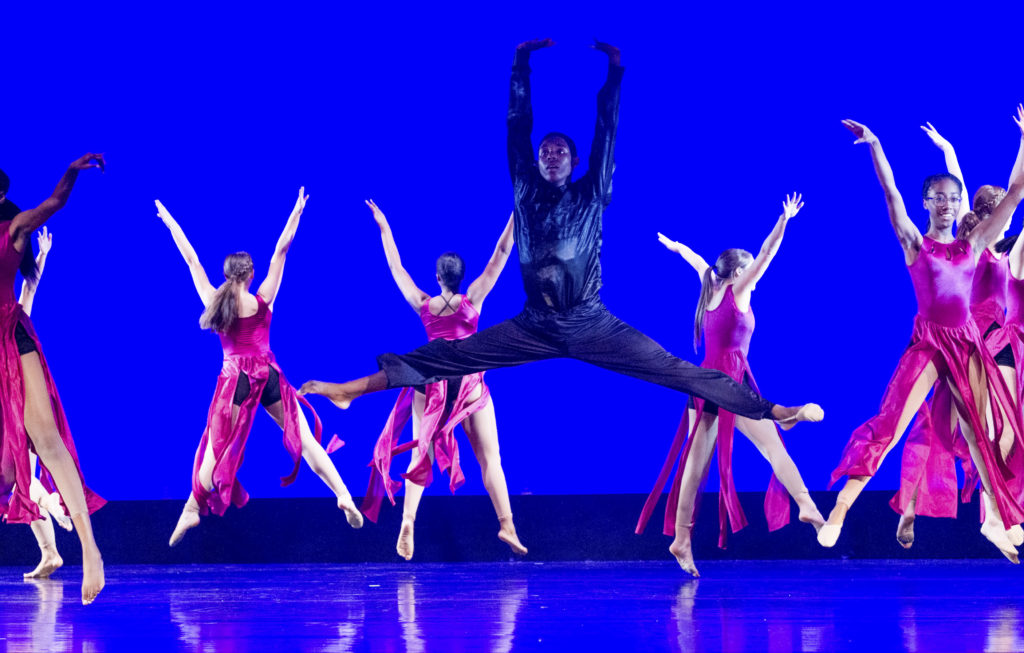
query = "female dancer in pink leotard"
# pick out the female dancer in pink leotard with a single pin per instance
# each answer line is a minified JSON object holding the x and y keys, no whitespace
{"x":946,"y":345}
{"x":49,"y":502}
{"x":250,"y":377}
{"x":726,"y":319}
{"x":928,"y":476}
{"x":31,"y":415}
{"x":435,"y":411}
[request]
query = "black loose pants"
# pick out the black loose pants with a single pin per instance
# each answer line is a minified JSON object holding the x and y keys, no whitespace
{"x":587,"y":332}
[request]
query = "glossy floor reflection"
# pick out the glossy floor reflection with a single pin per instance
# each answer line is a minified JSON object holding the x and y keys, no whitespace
{"x":736,"y":606}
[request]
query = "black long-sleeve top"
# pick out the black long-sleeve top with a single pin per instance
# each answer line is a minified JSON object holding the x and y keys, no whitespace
{"x":558,"y":229}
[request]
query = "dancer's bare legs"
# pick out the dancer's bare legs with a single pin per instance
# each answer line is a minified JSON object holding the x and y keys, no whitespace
{"x":694,"y":472}
{"x":764,"y":436}
{"x":42,"y":431}
{"x":318,"y":460}
{"x":189,"y":518}
{"x":482,"y":430}
{"x":829,"y":533}
{"x":993,"y":528}
{"x":413,"y":491}
{"x":1014,"y":533}
{"x":343,"y":394}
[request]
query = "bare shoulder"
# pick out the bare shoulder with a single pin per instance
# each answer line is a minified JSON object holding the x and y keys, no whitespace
{"x":248,"y":305}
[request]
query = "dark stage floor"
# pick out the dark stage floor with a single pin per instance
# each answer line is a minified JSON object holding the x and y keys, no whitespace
{"x":606,"y":606}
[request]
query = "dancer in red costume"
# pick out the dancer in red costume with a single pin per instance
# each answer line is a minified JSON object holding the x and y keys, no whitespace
{"x":928,"y":484}
{"x":946,"y":345}
{"x":49,"y":502}
{"x":250,"y":377}
{"x":32,"y":415}
{"x":726,"y":319}
{"x":438,"y":407}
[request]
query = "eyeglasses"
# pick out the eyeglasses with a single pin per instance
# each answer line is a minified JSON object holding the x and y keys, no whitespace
{"x":942,"y":199}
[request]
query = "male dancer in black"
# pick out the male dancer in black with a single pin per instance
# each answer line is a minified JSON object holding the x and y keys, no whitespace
{"x":558,"y":234}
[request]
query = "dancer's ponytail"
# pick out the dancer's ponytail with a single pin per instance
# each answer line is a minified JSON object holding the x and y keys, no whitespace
{"x":8,"y":210}
{"x":222,"y":311}
{"x":707,"y":287}
{"x":724,"y":268}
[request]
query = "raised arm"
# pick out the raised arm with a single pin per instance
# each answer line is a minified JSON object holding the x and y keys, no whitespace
{"x":28,"y":221}
{"x":1018,"y":165}
{"x":741,"y":289}
{"x":690,"y":256}
{"x":952,"y":164}
{"x":481,"y":287}
{"x":906,"y":231}
{"x":416,"y":297}
{"x":520,"y":111}
{"x":270,"y":286}
{"x":985,"y":233}
{"x":202,"y":283}
{"x":28,"y":286}
{"x":602,"y":150}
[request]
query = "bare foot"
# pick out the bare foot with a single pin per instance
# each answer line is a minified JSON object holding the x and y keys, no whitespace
{"x":812,"y":517}
{"x":352,"y":514}
{"x":337,"y":392}
{"x":995,"y":534}
{"x":788,"y":417}
{"x":189,"y":519}
{"x":1015,"y":534}
{"x":405,"y":542}
{"x":51,"y":504}
{"x":507,"y":534}
{"x":905,"y":531}
{"x":50,"y":563}
{"x":684,"y":556}
{"x":93,"y":579}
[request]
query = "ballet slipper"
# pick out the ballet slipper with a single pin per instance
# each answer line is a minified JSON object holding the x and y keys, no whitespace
{"x":51,"y":504}
{"x":905,"y":531}
{"x":507,"y":534}
{"x":352,"y":514}
{"x":828,"y":534}
{"x":806,"y":413}
{"x":405,"y":544}
{"x":1015,"y":534}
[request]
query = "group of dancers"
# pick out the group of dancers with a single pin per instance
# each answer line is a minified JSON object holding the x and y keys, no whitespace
{"x":975,"y":413}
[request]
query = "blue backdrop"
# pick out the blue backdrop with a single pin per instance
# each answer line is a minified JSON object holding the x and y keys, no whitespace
{"x":223,"y":112}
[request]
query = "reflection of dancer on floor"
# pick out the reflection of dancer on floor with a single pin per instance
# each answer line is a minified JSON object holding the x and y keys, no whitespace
{"x":438,"y":407}
{"x":726,"y":320}
{"x":49,"y":502}
{"x":946,"y":345}
{"x":558,"y":235}
{"x":31,"y":415}
{"x":933,"y":443}
{"x":250,"y":376}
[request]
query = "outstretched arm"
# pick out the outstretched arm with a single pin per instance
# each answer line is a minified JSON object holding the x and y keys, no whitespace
{"x":907,"y":233}
{"x":985,"y":233}
{"x":602,"y":150}
{"x":1018,"y":165}
{"x":270,"y":286}
{"x":202,"y":283}
{"x":416,"y":297}
{"x":770,"y":247}
{"x":28,"y":286}
{"x":952,"y":164}
{"x":481,"y":287}
{"x":520,"y":111}
{"x":690,"y":256}
{"x":28,"y":221}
